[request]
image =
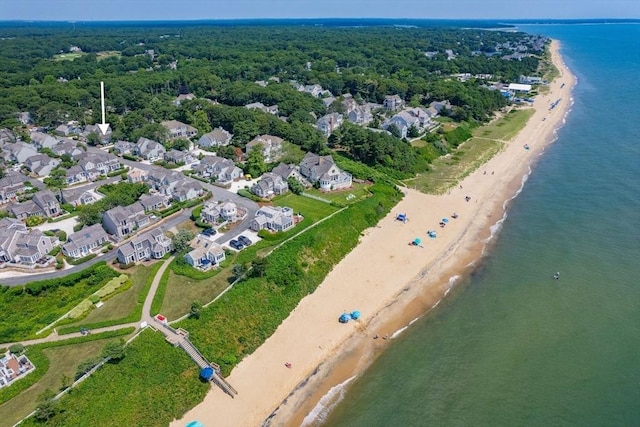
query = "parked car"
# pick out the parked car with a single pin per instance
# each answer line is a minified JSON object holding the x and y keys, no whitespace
{"x":236,"y":245}
{"x":244,"y":240}
{"x":209,"y":232}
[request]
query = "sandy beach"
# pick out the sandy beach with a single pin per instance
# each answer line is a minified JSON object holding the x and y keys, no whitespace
{"x":389,"y":281}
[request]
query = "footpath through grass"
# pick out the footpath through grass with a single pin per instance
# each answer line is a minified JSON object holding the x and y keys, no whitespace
{"x":154,"y":384}
{"x":487,"y":141}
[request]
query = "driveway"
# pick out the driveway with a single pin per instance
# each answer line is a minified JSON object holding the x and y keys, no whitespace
{"x":66,"y":225}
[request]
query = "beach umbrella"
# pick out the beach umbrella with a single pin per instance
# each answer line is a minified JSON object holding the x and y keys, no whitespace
{"x":417,"y":241}
{"x":206,"y":373}
{"x":344,"y":318}
{"x":355,"y":315}
{"x":195,"y":424}
{"x":445,"y":220}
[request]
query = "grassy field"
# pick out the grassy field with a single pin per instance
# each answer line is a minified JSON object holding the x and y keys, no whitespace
{"x":486,"y":142}
{"x":312,"y":210}
{"x":359,"y":191}
{"x":68,"y":56}
{"x":124,"y":307}
{"x":108,"y":54}
{"x":64,"y":362}
{"x":152,"y":385}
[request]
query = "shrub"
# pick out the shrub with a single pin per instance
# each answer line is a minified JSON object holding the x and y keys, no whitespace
{"x":16,"y":348}
{"x":32,"y":221}
{"x":77,"y":261}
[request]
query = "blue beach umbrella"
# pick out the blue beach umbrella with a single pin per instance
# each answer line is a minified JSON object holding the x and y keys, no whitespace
{"x":445,"y":220}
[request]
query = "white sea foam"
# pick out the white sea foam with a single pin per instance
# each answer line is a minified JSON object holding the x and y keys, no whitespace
{"x":436,"y":304}
{"x":326,"y":404}
{"x":398,"y":332}
{"x":414,"y":320}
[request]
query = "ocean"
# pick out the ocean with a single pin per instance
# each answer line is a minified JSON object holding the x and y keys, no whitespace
{"x":510,"y":345}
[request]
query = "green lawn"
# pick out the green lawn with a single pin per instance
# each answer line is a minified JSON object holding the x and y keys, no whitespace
{"x":124,"y":307}
{"x":312,"y":210}
{"x":359,"y":191}
{"x":68,"y":56}
{"x":63,"y":362}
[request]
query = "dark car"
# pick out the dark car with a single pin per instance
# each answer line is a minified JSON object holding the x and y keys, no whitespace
{"x":244,"y":240}
{"x":209,"y":232}
{"x":236,"y":245}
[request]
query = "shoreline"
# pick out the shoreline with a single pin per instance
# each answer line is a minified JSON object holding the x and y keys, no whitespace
{"x":390,"y":282}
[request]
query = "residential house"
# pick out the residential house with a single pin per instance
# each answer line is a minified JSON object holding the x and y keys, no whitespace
{"x":178,"y":129}
{"x":22,"y":246}
{"x":214,"y":212}
{"x":43,"y":203}
{"x":440,"y":106}
{"x":13,"y":367}
{"x":123,"y":220}
{"x":163,"y":180}
{"x":85,"y":241}
{"x":68,"y":129}
{"x":96,"y":164}
{"x":42,"y":140}
{"x":7,"y":137}
{"x":393,"y":102}
{"x":103,"y":137}
{"x":273,"y":218}
{"x":187,"y":190}
{"x":41,"y":164}
{"x":136,"y":175}
{"x":328,"y":123}
{"x":349,"y":104}
{"x":153,"y":244}
{"x":325,"y":172}
{"x":530,"y":80}
{"x":270,"y":185}
{"x":68,"y":147}
{"x":221,"y":169}
{"x":204,"y":253}
{"x":328,"y":101}
{"x":178,"y":157}
{"x":11,"y":186}
{"x":287,"y":171}
{"x":183,"y":97}
{"x":74,"y":175}
{"x":272,"y":109}
{"x":271,"y":146}
{"x":154,"y":202}
{"x":149,"y":149}
{"x":360,"y":116}
{"x":216,"y":138}
{"x":24,"y":118}
{"x":124,"y":147}
{"x":403,"y":121}
{"x":18,"y":152}
{"x":78,"y":196}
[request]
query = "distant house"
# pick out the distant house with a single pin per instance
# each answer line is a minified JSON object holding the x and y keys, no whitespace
{"x":124,"y":147}
{"x":124,"y":220}
{"x":360,"y":115}
{"x":163,"y":180}
{"x":325,"y":172}
{"x":271,"y":146}
{"x":85,"y":241}
{"x":68,"y":129}
{"x":7,"y":137}
{"x":403,"y":121}
{"x":41,"y":164}
{"x":44,"y":203}
{"x":18,"y":152}
{"x":328,"y":123}
{"x":204,"y":253}
{"x":272,"y":109}
{"x":78,"y":196}
{"x":214,"y":212}
{"x":393,"y":102}
{"x":74,"y":175}
{"x":221,"y":169}
{"x":136,"y":175}
{"x":13,"y":367}
{"x":273,"y":218}
{"x":187,"y":190}
{"x":349,"y":104}
{"x":95,"y":129}
{"x":183,"y":97}
{"x":96,"y":164}
{"x":270,"y":185}
{"x":178,"y":157}
{"x":530,"y":80}
{"x":286,"y":171}
{"x":216,"y":138}
{"x":149,"y":149}
{"x":11,"y":186}
{"x":154,"y":202}
{"x":21,"y":246}
{"x":42,"y":140}
{"x":153,"y":244}
{"x":178,"y":129}
{"x":67,"y":147}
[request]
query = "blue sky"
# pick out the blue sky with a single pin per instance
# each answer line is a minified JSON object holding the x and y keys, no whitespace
{"x":96,"y":10}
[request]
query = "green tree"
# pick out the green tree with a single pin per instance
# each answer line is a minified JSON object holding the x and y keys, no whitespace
{"x":181,"y":240}
{"x":194,"y":311}
{"x":56,"y":179}
{"x":47,"y":406}
{"x":259,"y":267}
{"x":238,"y":270}
{"x":413,"y":132}
{"x":93,"y":139}
{"x":114,"y":350}
{"x":16,"y":348}
{"x":201,"y":122}
{"x":255,"y":165}
{"x":295,"y":186}
{"x":85,"y":367}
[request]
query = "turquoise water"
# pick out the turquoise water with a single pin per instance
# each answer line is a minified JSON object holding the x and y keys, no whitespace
{"x":511,"y":346}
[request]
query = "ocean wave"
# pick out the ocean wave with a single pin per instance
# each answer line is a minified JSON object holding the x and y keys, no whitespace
{"x":398,"y":332}
{"x":452,"y":281}
{"x":326,"y":404}
{"x":414,"y":320}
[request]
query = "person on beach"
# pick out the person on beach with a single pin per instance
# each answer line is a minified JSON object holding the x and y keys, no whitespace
{"x":288,"y":365}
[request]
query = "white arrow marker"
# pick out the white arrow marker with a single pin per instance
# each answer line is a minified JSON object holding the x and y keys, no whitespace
{"x":103,"y":126}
